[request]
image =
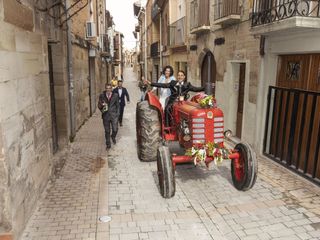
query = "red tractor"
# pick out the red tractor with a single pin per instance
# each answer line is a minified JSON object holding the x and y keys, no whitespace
{"x":194,"y":127}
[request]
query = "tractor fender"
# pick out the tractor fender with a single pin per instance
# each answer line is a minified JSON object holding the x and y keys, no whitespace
{"x":153,"y":100}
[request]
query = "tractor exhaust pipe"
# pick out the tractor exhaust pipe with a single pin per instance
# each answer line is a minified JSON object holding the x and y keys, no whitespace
{"x":208,"y":84}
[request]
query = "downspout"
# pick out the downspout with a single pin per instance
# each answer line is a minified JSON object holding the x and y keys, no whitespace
{"x":70,"y":75}
{"x":145,"y":46}
{"x":120,"y":55}
{"x":161,"y":41}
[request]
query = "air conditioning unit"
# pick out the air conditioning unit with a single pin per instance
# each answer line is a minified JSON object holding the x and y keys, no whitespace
{"x":90,"y":29}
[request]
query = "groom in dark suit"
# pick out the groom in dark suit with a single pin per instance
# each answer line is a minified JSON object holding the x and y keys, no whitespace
{"x":109,"y":107}
{"x":123,"y":94}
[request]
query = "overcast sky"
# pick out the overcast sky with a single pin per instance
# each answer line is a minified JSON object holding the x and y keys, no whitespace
{"x":123,"y":17}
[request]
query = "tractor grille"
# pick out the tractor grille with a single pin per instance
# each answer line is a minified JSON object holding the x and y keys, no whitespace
{"x":199,"y":134}
{"x":198,"y":130}
{"x":218,"y":130}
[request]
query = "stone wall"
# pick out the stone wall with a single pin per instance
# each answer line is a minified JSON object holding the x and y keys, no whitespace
{"x":60,"y":79}
{"x":26,"y":161}
{"x":25,"y":116}
{"x":80,"y":61}
{"x":81,"y":84}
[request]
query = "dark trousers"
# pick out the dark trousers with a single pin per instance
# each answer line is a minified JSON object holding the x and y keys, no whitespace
{"x":121,"y":113}
{"x":168,"y":112}
{"x":107,"y":121}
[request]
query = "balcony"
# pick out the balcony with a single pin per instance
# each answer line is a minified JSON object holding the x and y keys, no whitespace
{"x":199,"y":16}
{"x":105,"y":46}
{"x":271,"y":16}
{"x":154,"y":49}
{"x":177,"y":35}
{"x":116,"y":42}
{"x":226,"y":12}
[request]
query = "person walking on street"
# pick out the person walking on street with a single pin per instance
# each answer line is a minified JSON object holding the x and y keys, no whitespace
{"x":166,"y":77}
{"x":109,"y":107}
{"x":122,"y":93}
{"x":114,"y":82}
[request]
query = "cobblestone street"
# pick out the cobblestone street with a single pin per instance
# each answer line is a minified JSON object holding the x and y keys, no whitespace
{"x":206,"y":206}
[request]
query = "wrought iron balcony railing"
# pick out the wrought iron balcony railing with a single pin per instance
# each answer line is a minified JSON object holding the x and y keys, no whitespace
{"x":225,"y":8}
{"x":199,"y":16}
{"x":269,"y":11}
{"x":177,"y":33}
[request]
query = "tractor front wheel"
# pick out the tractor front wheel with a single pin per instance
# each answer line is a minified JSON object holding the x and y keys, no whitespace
{"x":244,"y":170}
{"x":148,"y":130}
{"x":165,"y":172}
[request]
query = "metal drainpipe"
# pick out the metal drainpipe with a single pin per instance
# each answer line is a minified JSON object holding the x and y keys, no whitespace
{"x":160,"y":41}
{"x":120,"y":55}
{"x":70,"y":76}
{"x":145,"y":46}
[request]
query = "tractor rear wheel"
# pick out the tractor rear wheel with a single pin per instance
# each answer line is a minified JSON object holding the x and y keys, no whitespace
{"x":148,"y":130}
{"x":244,"y":175}
{"x":166,"y":177}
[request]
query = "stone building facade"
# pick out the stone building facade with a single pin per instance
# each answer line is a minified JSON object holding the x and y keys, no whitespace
{"x":43,"y":58}
{"x":222,"y":33}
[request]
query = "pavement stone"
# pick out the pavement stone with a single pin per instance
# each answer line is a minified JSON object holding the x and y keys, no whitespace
{"x":78,"y":195}
{"x":206,"y":206}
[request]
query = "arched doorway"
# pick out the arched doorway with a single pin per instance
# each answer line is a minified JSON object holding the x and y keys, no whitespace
{"x":208,"y":67}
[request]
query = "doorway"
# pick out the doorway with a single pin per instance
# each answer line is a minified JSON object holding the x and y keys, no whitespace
{"x":92,"y":85}
{"x":208,"y":70}
{"x":53,"y":103}
{"x":242,"y":78}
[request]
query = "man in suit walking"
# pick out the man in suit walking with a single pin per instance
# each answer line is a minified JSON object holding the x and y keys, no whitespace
{"x":123,"y":94}
{"x":109,"y":107}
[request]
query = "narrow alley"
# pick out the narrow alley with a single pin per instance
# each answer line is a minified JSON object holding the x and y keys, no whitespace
{"x":95,"y":183}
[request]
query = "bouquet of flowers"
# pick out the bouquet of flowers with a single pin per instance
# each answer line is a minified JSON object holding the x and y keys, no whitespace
{"x":218,"y":152}
{"x":208,"y":102}
{"x":105,"y":107}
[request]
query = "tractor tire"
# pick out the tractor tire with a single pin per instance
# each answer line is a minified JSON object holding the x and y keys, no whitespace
{"x":166,"y":176}
{"x":148,"y":130}
{"x":244,"y":178}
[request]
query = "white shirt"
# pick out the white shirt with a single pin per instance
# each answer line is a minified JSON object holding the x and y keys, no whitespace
{"x":120,"y":92}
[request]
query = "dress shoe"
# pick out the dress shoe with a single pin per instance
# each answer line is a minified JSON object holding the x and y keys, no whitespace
{"x":120,"y":124}
{"x":108,"y":147}
{"x":114,"y":140}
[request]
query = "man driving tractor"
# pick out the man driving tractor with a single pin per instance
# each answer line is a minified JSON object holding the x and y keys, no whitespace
{"x":178,"y":88}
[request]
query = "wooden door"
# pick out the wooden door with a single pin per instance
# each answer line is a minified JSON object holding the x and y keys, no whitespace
{"x":293,"y":71}
{"x":295,"y":110}
{"x":314,"y":79}
{"x":242,"y":77}
{"x":208,"y":67}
